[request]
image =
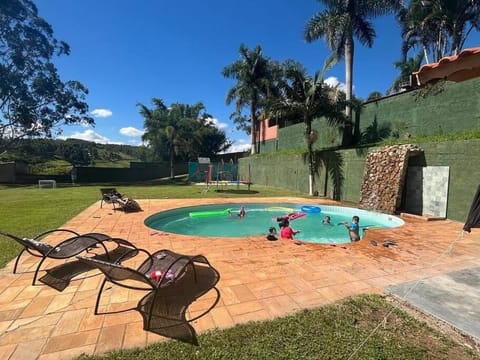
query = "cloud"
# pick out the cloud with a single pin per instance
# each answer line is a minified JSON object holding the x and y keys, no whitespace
{"x":333,"y":81}
{"x":89,"y":135}
{"x":239,"y":145}
{"x":101,"y":113}
{"x":217,"y":123}
{"x":131,"y":131}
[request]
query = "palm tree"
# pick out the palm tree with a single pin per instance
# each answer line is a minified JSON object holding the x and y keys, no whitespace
{"x":254,"y":75}
{"x":440,"y":27}
{"x":406,"y":69}
{"x":339,"y":24}
{"x":180,"y":130}
{"x":301,"y":96}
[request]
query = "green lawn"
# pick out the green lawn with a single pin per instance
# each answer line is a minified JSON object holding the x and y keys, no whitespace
{"x":29,"y":210}
{"x":338,"y":331}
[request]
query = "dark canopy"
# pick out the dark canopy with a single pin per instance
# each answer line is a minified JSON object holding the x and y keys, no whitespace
{"x":473,"y":218}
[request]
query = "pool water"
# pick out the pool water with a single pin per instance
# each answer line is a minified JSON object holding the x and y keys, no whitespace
{"x":214,"y":220}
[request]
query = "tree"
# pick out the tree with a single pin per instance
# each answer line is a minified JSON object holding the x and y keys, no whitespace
{"x":406,"y":69}
{"x":374,"y":95}
{"x":307,"y":98}
{"x":439,"y":27}
{"x":254,"y":75}
{"x":338,"y":24}
{"x":181,"y":130}
{"x":33,"y":98}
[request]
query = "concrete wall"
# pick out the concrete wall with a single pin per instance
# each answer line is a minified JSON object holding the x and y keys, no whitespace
{"x":291,"y":172}
{"x":443,"y":108}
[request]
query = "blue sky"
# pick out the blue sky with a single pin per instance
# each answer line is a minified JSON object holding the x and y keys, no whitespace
{"x":127,"y":52}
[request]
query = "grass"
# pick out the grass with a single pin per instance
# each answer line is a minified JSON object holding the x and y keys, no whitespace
{"x":338,"y":331}
{"x":30,"y":210}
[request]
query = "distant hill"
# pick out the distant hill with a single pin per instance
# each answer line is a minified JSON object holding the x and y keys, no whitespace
{"x":58,"y":156}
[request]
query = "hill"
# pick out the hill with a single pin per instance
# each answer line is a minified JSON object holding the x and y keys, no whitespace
{"x":48,"y":156}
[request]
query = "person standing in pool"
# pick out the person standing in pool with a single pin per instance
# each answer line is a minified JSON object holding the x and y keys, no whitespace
{"x":287,"y":232}
{"x":353,"y":228}
{"x":242,"y":212}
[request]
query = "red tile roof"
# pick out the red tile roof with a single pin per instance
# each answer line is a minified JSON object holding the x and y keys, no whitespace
{"x":459,"y":67}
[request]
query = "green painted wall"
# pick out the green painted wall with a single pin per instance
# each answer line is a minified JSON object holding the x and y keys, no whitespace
{"x":444,"y":108}
{"x":291,"y":172}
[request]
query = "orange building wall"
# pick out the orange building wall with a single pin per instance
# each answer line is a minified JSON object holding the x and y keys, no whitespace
{"x":265,"y":132}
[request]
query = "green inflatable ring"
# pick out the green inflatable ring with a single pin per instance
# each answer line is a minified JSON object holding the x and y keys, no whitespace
{"x":209,"y":213}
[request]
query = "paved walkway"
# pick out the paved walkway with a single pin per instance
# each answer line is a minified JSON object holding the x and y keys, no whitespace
{"x":260,"y":279}
{"x":453,"y":298}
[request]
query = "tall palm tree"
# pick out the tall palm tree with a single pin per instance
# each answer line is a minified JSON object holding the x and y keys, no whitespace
{"x":307,"y":98}
{"x":339,"y":24}
{"x":440,"y":27}
{"x":254,"y":75}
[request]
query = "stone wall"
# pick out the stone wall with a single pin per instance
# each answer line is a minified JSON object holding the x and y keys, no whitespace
{"x":384,"y":177}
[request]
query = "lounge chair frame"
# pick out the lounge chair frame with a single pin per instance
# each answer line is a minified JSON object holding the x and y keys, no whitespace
{"x":67,"y":248}
{"x":163,"y":308}
{"x":110,"y":196}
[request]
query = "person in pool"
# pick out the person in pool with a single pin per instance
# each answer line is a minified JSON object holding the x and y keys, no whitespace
{"x":242,"y":212}
{"x":327,"y":220}
{"x":287,"y":232}
{"x":353,"y":228}
{"x":272,"y":234}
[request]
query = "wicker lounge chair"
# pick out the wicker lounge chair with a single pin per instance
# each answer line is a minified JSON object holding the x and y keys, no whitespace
{"x":59,"y":277}
{"x":119,"y":201}
{"x":71,"y":245}
{"x":110,"y":196}
{"x":163,"y":308}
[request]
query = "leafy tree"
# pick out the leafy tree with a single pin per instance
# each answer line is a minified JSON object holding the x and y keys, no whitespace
{"x":33,"y":98}
{"x":255,"y":76}
{"x":181,"y":130}
{"x":374,"y":95}
{"x":406,"y":69}
{"x":439,"y":27}
{"x":339,"y":24}
{"x":307,"y":98}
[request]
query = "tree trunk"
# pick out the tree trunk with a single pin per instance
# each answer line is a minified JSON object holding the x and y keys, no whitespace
{"x":172,"y":175}
{"x":311,"y":165}
{"x":347,"y":130}
{"x":253,"y":127}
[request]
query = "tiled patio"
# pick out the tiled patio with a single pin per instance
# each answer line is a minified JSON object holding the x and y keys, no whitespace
{"x":260,"y":279}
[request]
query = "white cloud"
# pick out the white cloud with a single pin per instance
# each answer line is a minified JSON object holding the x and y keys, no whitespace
{"x":239,"y":145}
{"x":89,"y":135}
{"x":333,"y":81}
{"x":217,"y":123}
{"x":131,"y":131}
{"x":101,"y":113}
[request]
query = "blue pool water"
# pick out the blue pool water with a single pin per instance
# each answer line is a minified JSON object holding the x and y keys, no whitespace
{"x":261,"y":216}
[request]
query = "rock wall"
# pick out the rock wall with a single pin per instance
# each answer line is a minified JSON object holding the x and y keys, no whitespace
{"x":384,"y":177}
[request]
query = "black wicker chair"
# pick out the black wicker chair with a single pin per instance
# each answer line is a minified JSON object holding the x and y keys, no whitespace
{"x":184,"y":279}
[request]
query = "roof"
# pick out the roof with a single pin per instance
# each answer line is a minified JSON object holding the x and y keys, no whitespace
{"x":461,"y":67}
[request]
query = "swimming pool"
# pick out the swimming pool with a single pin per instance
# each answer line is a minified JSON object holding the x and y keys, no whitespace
{"x":221,"y":220}
{"x":215,"y":220}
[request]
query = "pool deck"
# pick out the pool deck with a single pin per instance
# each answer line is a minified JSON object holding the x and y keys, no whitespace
{"x":260,"y":279}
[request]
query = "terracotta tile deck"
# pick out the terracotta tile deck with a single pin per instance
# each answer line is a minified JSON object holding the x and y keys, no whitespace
{"x":260,"y":279}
